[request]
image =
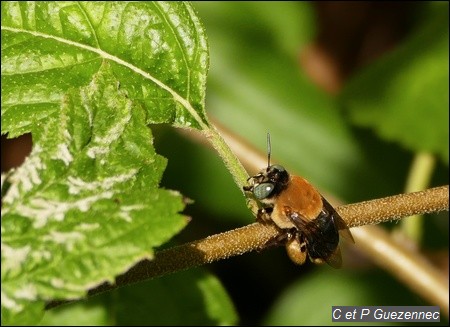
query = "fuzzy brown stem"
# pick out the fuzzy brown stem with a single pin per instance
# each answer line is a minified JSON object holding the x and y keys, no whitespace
{"x":255,"y":236}
{"x":395,"y":207}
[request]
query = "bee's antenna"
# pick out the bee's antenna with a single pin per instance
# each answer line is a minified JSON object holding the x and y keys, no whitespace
{"x":269,"y":149}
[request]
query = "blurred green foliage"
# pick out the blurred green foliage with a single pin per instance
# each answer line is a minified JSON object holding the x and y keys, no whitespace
{"x":192,"y":297}
{"x":404,"y":96}
{"x":255,"y":85}
{"x":357,"y":146}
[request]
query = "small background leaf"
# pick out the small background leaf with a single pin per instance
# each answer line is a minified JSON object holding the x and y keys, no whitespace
{"x":309,"y":302}
{"x":194,"y":298}
{"x":404,"y":96}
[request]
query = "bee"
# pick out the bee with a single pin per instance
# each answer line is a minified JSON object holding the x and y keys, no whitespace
{"x":308,"y":224}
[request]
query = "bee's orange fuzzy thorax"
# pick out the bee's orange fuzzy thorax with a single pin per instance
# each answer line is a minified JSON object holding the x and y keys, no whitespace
{"x":301,"y":197}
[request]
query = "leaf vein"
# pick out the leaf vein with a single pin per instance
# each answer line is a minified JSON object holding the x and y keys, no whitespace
{"x":184,"y":102}
{"x":89,"y":22}
{"x":183,"y":51}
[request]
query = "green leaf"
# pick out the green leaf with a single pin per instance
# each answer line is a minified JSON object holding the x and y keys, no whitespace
{"x":85,"y":78}
{"x":404,"y":96}
{"x":285,"y":25}
{"x":87,"y":313}
{"x":309,"y":301}
{"x":157,"y":51}
{"x":190,"y":298}
{"x":85,"y":206}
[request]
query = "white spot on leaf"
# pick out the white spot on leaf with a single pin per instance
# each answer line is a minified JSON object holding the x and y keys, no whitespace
{"x":25,"y":176}
{"x":77,"y":185}
{"x":68,"y":239}
{"x":88,"y":227}
{"x":63,"y":154}
{"x":27,"y":292}
{"x":125,"y":211}
{"x":10,"y":304}
{"x":41,"y":255}
{"x":101,"y":143}
{"x":41,"y":210}
{"x":12,"y":258}
{"x":57,"y":282}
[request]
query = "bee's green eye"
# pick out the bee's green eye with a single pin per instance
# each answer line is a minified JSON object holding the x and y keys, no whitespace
{"x":263,"y":190}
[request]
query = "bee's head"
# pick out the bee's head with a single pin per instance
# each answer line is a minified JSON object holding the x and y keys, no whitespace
{"x":269,"y":182}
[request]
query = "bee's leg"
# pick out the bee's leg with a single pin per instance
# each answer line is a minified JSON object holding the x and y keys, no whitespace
{"x":296,"y":249}
{"x":263,"y":215}
{"x":281,"y":239}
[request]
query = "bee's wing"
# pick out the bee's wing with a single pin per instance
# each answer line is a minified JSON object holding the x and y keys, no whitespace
{"x":320,"y":249}
{"x":343,"y":229}
{"x":338,"y":221}
{"x":296,"y":218}
{"x":335,"y":259}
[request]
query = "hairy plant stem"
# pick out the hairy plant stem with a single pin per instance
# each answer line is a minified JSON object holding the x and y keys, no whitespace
{"x":231,"y":161}
{"x":255,"y":236}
